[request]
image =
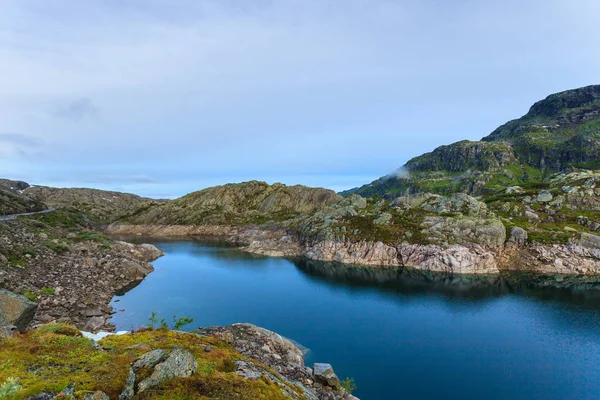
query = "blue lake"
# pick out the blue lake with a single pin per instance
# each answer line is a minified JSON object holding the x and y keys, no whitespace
{"x":399,"y":334}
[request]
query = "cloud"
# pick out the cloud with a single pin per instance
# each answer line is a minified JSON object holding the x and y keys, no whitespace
{"x":76,"y":110}
{"x":17,"y":139}
{"x":199,"y":92}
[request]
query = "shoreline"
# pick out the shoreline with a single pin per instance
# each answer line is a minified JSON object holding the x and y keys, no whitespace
{"x":564,"y":259}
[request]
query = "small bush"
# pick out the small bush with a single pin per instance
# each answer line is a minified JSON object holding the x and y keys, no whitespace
{"x":180,"y":322}
{"x":228,"y":365}
{"x":349,"y":385}
{"x":10,"y":388}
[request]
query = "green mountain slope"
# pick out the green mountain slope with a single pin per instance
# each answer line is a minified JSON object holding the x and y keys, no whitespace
{"x":559,"y":134}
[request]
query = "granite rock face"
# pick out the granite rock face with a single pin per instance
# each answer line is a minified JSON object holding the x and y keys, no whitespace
{"x":324,"y":373}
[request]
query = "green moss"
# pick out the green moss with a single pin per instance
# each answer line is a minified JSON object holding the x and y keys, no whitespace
{"x":51,"y":357}
{"x":32,"y":295}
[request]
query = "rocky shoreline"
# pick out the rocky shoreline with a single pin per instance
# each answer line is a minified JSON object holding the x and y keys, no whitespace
{"x":568,"y":259}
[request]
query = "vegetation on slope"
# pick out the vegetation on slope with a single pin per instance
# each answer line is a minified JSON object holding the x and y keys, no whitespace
{"x":52,"y":357}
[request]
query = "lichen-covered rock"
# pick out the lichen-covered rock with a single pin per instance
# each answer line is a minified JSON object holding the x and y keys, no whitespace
{"x":279,"y":353}
{"x":544,"y":196}
{"x":15,"y":310}
{"x":96,"y":396}
{"x":129,"y":389}
{"x":180,"y":363}
{"x":149,"y":360}
{"x":324,"y":373}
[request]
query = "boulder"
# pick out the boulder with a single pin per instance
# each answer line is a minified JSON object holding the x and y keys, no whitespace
{"x":247,"y":370}
{"x":16,"y":310}
{"x":518,"y":235}
{"x":383,"y":219}
{"x":149,"y":360}
{"x":180,"y":363}
{"x":589,"y":241}
{"x":129,"y":389}
{"x":544,"y":196}
{"x":324,"y":374}
{"x":96,"y":396}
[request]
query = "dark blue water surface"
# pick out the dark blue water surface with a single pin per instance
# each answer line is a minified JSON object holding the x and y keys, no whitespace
{"x":401,"y":335}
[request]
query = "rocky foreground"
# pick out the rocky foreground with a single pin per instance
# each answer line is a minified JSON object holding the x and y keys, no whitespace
{"x":55,"y":361}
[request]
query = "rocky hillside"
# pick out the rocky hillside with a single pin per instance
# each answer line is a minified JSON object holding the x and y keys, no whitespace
{"x":101,"y":205}
{"x":71,"y":271}
{"x":14,"y":201}
{"x":559,"y":134}
{"x":235,"y":204}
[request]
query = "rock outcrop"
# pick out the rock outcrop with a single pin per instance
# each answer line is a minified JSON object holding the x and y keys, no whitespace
{"x":15,"y":312}
{"x":284,"y":357}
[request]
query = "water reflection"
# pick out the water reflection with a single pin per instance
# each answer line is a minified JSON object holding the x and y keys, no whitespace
{"x":576,"y":289}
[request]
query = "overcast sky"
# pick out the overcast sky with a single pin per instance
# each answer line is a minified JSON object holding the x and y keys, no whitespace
{"x":161,"y":98}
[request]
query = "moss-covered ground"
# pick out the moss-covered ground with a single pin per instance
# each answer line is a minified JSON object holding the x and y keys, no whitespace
{"x":51,"y":357}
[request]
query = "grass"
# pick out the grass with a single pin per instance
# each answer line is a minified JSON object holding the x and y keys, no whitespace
{"x":31,"y":295}
{"x":53,"y":356}
{"x":56,"y":246}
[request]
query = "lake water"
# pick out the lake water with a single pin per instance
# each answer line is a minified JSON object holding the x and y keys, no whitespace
{"x":399,"y":334}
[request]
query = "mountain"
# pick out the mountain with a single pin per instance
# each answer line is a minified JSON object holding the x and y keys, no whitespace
{"x":559,"y":134}
{"x":236,"y":204}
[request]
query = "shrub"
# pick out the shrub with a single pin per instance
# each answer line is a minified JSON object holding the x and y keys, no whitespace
{"x":228,"y":365}
{"x":180,"y":322}
{"x":349,"y":385}
{"x":10,"y":388}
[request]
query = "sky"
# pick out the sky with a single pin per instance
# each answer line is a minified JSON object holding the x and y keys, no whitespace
{"x":161,"y":98}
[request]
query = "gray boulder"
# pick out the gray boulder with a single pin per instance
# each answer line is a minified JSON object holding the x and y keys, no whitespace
{"x":129,"y":389}
{"x":324,"y":374}
{"x":180,"y":363}
{"x":590,"y":241}
{"x":15,"y":310}
{"x":518,"y":235}
{"x":544,"y":196}
{"x":149,"y":360}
